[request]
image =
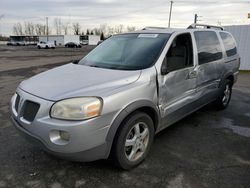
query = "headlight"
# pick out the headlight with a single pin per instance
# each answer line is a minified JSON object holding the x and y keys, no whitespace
{"x":77,"y":108}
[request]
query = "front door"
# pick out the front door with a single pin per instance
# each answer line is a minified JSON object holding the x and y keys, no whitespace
{"x":177,"y":85}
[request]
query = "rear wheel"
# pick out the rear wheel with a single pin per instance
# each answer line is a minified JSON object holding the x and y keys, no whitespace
{"x":223,"y":100}
{"x":133,"y":140}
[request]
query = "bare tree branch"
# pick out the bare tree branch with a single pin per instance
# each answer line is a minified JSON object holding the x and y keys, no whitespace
{"x":131,"y":28}
{"x":58,"y":26}
{"x":40,"y":29}
{"x":65,"y":28}
{"x":76,"y":28}
{"x":29,"y":28}
{"x":18,"y":29}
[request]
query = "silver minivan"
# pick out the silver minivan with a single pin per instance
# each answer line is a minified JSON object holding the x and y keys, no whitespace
{"x":112,"y":102}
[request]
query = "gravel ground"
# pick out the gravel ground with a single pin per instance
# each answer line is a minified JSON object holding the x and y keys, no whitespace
{"x":207,"y":149}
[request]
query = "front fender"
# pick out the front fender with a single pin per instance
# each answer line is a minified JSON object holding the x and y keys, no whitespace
{"x":124,"y":113}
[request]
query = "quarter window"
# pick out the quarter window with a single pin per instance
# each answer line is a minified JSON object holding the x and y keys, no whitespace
{"x":229,"y":44}
{"x":208,"y":45}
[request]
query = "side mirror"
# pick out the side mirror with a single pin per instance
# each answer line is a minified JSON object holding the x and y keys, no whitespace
{"x":164,"y":67}
{"x":75,"y":61}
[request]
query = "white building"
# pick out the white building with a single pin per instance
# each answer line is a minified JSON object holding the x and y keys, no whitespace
{"x":93,"y":39}
{"x":241,"y":34}
{"x":60,"y":39}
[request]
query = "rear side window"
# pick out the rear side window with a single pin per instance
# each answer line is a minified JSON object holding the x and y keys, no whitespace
{"x":229,"y":44}
{"x":209,"y":48}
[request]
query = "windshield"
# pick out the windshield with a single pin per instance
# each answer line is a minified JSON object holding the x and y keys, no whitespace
{"x":127,"y":52}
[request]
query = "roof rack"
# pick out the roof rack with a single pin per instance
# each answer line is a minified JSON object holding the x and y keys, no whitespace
{"x":153,"y":28}
{"x":205,"y":26}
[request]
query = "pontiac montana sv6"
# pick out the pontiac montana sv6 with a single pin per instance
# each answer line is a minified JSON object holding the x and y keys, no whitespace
{"x":113,"y":101}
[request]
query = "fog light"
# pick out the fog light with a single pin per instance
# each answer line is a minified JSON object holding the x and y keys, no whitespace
{"x":64,"y":135}
{"x":59,"y":137}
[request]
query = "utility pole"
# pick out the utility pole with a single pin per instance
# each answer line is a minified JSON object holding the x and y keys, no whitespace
{"x":47,"y":29}
{"x":195,"y":18}
{"x":1,"y":16}
{"x":170,"y":13}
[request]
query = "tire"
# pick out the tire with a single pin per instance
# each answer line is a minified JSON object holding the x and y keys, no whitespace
{"x":139,"y":140}
{"x":46,"y":47}
{"x":39,"y":47}
{"x":225,"y":95}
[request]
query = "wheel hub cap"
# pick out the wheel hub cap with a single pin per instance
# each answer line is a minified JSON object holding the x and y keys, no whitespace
{"x":137,"y":141}
{"x":226,"y":96}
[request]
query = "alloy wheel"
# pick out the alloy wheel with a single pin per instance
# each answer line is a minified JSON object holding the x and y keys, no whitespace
{"x":136,"y":142}
{"x":226,"y":97}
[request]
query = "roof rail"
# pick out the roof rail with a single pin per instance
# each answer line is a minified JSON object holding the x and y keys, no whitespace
{"x":153,"y":28}
{"x":194,"y":26}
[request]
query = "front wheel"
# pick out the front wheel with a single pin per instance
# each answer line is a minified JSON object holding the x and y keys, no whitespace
{"x":225,"y":96}
{"x":133,"y":140}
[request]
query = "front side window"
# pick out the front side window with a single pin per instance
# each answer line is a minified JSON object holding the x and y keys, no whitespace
{"x":180,"y":53}
{"x":208,"y":46}
{"x":127,"y":51}
{"x":229,"y":44}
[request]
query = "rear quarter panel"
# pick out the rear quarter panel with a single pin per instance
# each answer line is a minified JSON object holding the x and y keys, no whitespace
{"x":229,"y":65}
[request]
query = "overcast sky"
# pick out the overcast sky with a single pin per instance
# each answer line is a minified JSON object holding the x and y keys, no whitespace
{"x":139,"y":13}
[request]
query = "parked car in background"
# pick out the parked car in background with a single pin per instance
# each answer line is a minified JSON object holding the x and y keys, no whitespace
{"x":46,"y":45}
{"x":21,"y":43}
{"x":114,"y":100}
{"x":84,"y":42}
{"x":11,"y":43}
{"x":73,"y":45}
{"x":16,"y":43}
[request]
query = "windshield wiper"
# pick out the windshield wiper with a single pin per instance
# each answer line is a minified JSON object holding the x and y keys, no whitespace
{"x":95,"y":66}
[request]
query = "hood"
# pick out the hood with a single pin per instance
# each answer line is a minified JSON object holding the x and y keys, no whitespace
{"x":73,"y":80}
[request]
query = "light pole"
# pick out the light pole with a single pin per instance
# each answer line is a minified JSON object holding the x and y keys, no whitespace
{"x":47,"y":29}
{"x":170,"y":12}
{"x":1,"y":16}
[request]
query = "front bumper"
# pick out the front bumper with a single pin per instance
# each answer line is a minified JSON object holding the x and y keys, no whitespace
{"x":87,"y":141}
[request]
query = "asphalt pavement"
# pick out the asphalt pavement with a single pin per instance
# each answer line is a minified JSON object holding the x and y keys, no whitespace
{"x":209,"y":148}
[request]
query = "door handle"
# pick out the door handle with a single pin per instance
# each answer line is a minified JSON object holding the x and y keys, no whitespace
{"x":192,"y":74}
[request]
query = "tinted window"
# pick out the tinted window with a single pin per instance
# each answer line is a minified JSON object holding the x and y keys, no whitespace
{"x":209,"y":48}
{"x":127,"y":51}
{"x":229,"y":43}
{"x":180,"y":54}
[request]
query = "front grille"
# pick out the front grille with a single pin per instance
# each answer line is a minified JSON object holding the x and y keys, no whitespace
{"x":30,"y":110}
{"x":17,"y":102}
